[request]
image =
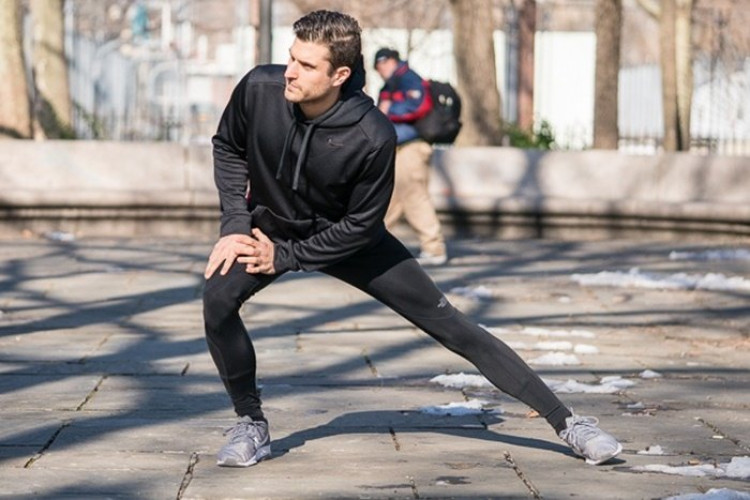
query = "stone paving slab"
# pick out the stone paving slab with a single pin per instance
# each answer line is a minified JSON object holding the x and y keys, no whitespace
{"x":72,"y":483}
{"x":107,"y":390}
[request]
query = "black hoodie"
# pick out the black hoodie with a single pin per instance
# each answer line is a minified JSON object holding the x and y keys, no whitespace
{"x":318,"y":188}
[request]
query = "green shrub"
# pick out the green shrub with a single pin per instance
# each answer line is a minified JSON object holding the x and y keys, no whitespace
{"x":541,"y":138}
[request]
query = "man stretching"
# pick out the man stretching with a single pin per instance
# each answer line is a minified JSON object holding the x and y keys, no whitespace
{"x":318,"y":158}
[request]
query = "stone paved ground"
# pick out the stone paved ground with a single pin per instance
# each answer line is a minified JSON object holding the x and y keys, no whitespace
{"x":107,"y":391}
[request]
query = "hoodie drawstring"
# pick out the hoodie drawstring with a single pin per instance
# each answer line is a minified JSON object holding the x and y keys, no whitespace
{"x":311,"y":125}
{"x":287,"y":142}
{"x":302,"y":155}
{"x":302,"y":152}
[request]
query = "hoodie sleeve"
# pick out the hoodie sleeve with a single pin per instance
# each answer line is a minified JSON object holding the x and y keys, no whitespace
{"x":230,"y":163}
{"x":362,"y":224}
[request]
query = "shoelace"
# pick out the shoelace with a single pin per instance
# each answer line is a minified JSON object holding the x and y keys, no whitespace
{"x":585,"y":429}
{"x":242,"y":429}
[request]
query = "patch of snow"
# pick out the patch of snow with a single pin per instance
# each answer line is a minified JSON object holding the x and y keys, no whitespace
{"x":634,"y":278}
{"x":471,"y":407}
{"x":585,"y":349}
{"x":540,"y":332}
{"x":461,"y":380}
{"x":60,"y":236}
{"x":723,"y":254}
{"x":737,"y":468}
{"x":518,"y":345}
{"x":713,"y":494}
{"x":552,"y":345}
{"x":570,"y":386}
{"x":556,"y":359}
{"x":649,"y":374}
{"x":636,"y":406}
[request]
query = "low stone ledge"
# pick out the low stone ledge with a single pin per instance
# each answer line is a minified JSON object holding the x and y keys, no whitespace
{"x":152,"y":187}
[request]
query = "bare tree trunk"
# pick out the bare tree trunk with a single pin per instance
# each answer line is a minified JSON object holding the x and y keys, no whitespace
{"x":684,"y":69}
{"x":675,"y":40}
{"x":52,"y":103}
{"x":15,"y":112}
{"x":669,"y":75}
{"x":608,"y":33}
{"x":526,"y":33}
{"x":474,"y":51}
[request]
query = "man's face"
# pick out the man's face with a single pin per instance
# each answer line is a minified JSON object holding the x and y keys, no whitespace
{"x":309,"y":75}
{"x":386,"y":67}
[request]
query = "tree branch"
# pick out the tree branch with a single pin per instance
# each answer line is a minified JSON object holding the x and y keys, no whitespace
{"x":652,"y":7}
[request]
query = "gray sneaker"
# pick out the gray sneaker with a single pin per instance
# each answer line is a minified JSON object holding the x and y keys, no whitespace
{"x":249,"y":443}
{"x":589,"y":441}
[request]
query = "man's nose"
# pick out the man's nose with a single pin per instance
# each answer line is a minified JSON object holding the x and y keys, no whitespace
{"x":291,"y":71}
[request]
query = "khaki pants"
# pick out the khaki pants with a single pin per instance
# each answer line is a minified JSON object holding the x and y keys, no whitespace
{"x":411,"y":196}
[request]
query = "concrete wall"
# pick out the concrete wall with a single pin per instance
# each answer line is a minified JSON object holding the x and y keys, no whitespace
{"x":593,"y":193}
{"x":130,"y":189}
{"x":94,"y":188}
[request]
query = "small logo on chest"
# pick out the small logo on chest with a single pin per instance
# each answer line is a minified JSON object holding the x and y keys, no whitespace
{"x":333,"y":143}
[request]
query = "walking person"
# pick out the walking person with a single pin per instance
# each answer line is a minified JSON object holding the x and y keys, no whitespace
{"x":404,"y":100}
{"x":318,"y":158}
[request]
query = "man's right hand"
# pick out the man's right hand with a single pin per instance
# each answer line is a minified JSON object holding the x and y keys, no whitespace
{"x":226,"y":251}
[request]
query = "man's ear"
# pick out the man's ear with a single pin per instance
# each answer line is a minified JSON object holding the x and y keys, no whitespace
{"x":340,"y":75}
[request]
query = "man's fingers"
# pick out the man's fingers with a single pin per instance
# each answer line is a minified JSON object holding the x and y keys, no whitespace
{"x":214,"y":261}
{"x":226,"y":251}
{"x":227,"y":265}
{"x":244,"y":239}
{"x":210,"y":269}
{"x":253,"y":251}
{"x":261,"y":236}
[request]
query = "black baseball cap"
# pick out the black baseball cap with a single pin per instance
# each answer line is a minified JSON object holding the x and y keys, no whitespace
{"x":385,"y":53}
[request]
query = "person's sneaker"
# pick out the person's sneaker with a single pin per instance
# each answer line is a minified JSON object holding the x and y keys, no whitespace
{"x":428,"y":259}
{"x":588,"y":441}
{"x":249,"y":443}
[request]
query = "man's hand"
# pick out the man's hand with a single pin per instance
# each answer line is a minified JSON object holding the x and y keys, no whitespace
{"x":260,"y":260}
{"x":226,"y":250}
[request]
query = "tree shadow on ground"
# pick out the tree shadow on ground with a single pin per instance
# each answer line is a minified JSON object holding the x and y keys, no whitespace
{"x":393,"y":422}
{"x":152,"y":344}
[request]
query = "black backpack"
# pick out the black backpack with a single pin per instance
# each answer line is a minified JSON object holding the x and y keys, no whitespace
{"x":442,"y":124}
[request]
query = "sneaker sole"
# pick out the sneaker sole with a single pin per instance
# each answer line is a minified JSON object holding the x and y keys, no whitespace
{"x":605,"y":459}
{"x":263,"y":453}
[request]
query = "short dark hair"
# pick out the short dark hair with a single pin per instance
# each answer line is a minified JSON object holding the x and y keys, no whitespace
{"x":339,"y":32}
{"x":386,"y":53}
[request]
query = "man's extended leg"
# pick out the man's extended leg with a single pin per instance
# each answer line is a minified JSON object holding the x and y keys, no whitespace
{"x":388,"y":274}
{"x":234,"y":356}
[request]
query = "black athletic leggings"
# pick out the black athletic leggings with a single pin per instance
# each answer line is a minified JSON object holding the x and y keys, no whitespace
{"x":388,"y":273}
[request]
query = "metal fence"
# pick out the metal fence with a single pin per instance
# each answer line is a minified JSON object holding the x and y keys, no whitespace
{"x":146,"y":91}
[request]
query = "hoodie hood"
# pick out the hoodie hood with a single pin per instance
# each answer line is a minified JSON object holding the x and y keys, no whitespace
{"x":352,"y":105}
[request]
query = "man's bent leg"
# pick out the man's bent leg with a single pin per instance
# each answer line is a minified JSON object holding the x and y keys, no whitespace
{"x":228,"y":341}
{"x":388,"y":274}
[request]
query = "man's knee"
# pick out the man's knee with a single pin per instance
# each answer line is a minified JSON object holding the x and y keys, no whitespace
{"x":219,"y":302}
